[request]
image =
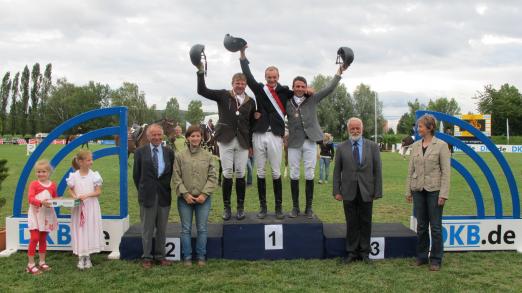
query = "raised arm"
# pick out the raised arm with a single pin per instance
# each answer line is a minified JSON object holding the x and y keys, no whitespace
{"x":252,"y":83}
{"x":204,"y":91}
{"x":324,"y":92}
{"x":321,"y":94}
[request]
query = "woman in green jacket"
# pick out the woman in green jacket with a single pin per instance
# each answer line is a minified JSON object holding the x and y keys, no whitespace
{"x":194,"y":180}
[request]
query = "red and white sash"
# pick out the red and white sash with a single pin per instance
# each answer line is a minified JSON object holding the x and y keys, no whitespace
{"x":276,"y":102}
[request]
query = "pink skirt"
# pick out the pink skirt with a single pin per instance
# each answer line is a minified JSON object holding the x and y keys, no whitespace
{"x":86,"y":228}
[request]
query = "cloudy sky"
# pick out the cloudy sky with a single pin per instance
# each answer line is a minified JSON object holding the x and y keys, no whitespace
{"x":403,"y":49}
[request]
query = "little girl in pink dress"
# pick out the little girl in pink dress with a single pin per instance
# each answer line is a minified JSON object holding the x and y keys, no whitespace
{"x":86,"y":219}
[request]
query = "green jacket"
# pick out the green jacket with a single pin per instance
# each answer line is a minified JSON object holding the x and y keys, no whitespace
{"x":194,"y":172}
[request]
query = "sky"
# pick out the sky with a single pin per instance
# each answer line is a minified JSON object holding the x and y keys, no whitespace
{"x":403,"y":49}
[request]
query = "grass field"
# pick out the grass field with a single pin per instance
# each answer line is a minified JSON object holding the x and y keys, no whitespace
{"x":497,"y":271}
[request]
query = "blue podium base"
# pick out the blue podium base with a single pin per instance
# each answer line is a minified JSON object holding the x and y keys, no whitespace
{"x":298,"y":238}
{"x":131,"y":247}
{"x":269,"y":238}
{"x":395,"y":238}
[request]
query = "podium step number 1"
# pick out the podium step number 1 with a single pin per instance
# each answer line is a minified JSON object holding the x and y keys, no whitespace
{"x":172,"y":249}
{"x":273,"y":237}
{"x":377,"y":248}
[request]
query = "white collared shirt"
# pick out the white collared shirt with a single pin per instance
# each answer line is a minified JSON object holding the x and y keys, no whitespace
{"x":240,"y":98}
{"x":299,"y":100}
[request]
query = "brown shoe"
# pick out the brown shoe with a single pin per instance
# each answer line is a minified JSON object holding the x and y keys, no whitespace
{"x":146,"y":263}
{"x":165,"y":263}
{"x":202,"y":263}
{"x":187,"y":263}
{"x":434,"y":267}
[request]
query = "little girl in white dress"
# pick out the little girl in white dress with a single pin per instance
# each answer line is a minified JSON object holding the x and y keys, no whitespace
{"x":86,"y":219}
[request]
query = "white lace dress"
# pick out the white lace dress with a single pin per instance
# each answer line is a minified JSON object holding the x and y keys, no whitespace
{"x":86,"y":219}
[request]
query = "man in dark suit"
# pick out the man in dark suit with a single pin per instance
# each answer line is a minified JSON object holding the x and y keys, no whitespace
{"x":357,"y":182}
{"x":152,"y":173}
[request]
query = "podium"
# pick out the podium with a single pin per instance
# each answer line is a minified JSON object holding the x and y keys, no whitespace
{"x":270,"y":238}
{"x":388,"y":240}
{"x":131,"y":247}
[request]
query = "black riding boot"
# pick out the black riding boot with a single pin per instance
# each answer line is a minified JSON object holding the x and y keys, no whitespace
{"x":278,"y":192}
{"x":294,"y":187}
{"x":309,"y":198}
{"x":240,"y":191}
{"x":226,"y":189}
{"x":261,"y":190}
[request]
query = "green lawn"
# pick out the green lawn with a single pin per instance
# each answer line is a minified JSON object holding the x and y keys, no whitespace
{"x":496,"y":271}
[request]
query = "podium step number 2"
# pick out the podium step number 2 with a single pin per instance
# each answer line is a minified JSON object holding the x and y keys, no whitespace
{"x":377,"y":248}
{"x":273,"y":237}
{"x":172,"y":249}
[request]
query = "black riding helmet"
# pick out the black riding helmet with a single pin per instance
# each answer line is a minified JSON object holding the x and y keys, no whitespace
{"x":344,"y":56}
{"x":197,"y":52}
{"x":233,"y":44}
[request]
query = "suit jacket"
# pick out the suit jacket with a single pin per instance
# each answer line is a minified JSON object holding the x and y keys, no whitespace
{"x":230,"y":125}
{"x":430,"y":171}
{"x":146,"y":178}
{"x":306,"y":124}
{"x":269,"y":116}
{"x":348,"y":174}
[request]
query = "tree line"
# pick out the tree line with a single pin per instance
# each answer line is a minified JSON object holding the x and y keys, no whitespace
{"x":37,"y":105}
{"x":503,"y":104}
{"x":31,"y":103}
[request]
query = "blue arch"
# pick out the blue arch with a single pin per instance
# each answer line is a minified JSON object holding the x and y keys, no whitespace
{"x":58,"y":157}
{"x":121,"y":130}
{"x":497,"y":200}
{"x":63,"y":183}
{"x":479,"y":201}
{"x":493,"y":149}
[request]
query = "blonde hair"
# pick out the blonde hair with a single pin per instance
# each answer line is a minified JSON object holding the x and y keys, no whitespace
{"x":327,"y":137}
{"x":239,"y":76}
{"x":43,"y":163}
{"x":80,"y":156}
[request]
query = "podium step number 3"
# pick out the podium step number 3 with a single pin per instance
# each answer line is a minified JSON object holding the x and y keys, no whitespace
{"x":273,"y":237}
{"x":172,"y":249}
{"x":377,"y":248}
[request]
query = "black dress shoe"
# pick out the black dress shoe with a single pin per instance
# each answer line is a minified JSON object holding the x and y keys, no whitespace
{"x":240,"y":214}
{"x":262,"y":213}
{"x":227,"y":213}
{"x":294,"y":213}
{"x":420,"y":262}
{"x":349,"y":259}
{"x":279,"y":214}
